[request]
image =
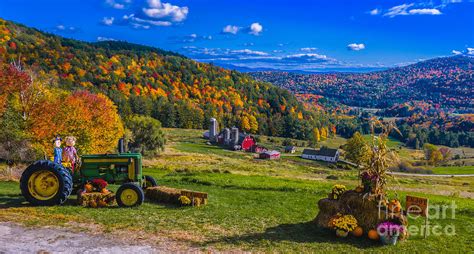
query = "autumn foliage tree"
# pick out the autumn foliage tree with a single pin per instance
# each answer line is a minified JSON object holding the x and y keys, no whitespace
{"x":92,"y":118}
{"x":356,"y":149}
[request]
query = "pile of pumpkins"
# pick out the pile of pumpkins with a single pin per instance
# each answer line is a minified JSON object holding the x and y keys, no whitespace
{"x":96,"y":195}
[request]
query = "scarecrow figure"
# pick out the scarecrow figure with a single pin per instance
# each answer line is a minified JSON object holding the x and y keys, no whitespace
{"x":70,"y":152}
{"x":58,"y":151}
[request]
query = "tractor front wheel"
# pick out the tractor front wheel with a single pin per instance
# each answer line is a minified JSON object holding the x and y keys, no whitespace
{"x":130,"y":195}
{"x":46,"y":183}
{"x":150,"y":182}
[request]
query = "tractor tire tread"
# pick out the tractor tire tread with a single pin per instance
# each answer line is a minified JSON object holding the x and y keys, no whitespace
{"x":64,"y":177}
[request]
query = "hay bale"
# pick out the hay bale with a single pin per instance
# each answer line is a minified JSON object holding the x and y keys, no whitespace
{"x":365,"y":210}
{"x":169,"y":195}
{"x":96,"y":199}
{"x":163,"y":194}
{"x":197,"y":198}
{"x":327,"y":209}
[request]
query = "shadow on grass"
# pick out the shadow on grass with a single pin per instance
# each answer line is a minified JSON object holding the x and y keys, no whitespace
{"x":12,"y":200}
{"x":17,"y":200}
{"x":306,"y":232}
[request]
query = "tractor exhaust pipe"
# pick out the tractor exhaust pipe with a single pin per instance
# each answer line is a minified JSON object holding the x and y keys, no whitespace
{"x":121,"y":146}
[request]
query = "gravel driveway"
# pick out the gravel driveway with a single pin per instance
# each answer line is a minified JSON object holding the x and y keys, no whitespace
{"x":18,"y":239}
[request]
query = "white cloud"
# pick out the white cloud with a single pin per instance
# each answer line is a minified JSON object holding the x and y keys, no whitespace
{"x":424,"y":12}
{"x":189,"y":38}
{"x":158,"y":10}
{"x":249,"y":52}
{"x":108,"y":21}
{"x":456,"y":52}
{"x":309,"y":49}
{"x":356,"y":46}
{"x":375,"y":12}
{"x":66,"y":29}
{"x":153,"y":13}
{"x":229,"y":29}
{"x":306,"y":57}
{"x":101,"y":38}
{"x":144,"y":23}
{"x":116,"y":5}
{"x":398,"y":10}
{"x":404,"y":10}
{"x":470,"y":51}
{"x":256,"y":28}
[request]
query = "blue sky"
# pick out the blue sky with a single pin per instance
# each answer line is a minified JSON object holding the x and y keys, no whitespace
{"x":286,"y":35}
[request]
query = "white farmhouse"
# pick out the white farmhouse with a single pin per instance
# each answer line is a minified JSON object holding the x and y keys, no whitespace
{"x":323,"y":154}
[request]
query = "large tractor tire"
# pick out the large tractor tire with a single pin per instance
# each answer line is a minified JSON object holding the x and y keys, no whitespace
{"x":130,"y":195}
{"x":149,"y":182}
{"x":46,"y":183}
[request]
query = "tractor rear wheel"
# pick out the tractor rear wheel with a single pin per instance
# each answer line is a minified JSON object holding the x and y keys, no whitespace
{"x":46,"y":183}
{"x":130,"y":195}
{"x":150,"y":182}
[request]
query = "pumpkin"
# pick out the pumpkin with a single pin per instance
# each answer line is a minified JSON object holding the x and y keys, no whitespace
{"x":88,"y":187}
{"x":104,"y":191}
{"x":357,"y":232}
{"x":394,"y":206}
{"x":359,"y":189}
{"x":92,"y":204}
{"x":373,"y":235}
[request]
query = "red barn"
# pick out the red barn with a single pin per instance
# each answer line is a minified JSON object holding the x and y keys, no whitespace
{"x":247,"y":143}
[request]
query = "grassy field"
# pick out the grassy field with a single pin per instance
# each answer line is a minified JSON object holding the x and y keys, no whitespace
{"x":454,"y":170}
{"x":256,"y":205}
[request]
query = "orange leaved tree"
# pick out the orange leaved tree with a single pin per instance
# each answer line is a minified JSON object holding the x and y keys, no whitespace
{"x":91,"y":118}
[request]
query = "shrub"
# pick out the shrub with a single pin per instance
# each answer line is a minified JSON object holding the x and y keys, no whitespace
{"x":147,"y":136}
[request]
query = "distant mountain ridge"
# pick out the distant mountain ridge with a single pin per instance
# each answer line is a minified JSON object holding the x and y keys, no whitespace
{"x":446,"y":81}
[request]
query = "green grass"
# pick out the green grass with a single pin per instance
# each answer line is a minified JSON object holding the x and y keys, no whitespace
{"x":257,"y":205}
{"x":456,"y":170}
{"x":244,"y":212}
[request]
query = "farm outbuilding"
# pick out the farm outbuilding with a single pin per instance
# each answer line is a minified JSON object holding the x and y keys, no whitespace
{"x":272,"y":155}
{"x":290,"y":149}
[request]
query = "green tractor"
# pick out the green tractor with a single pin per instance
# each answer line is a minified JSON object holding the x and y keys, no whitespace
{"x":46,"y":183}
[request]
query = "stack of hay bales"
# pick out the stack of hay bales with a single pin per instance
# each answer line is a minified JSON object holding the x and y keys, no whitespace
{"x":364,"y":209}
{"x":169,"y":195}
{"x":96,"y":199}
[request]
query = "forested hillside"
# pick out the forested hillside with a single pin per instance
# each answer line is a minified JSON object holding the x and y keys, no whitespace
{"x":447,"y":82}
{"x":143,"y":80}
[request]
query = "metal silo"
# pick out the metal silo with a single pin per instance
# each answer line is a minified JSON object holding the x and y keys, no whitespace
{"x":212,"y":129}
{"x":234,"y":136}
{"x":226,"y":136}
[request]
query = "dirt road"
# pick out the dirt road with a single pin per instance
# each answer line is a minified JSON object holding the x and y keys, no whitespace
{"x":18,"y":239}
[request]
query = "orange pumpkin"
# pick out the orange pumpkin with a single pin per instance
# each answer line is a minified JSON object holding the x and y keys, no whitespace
{"x":105,"y":191}
{"x":394,"y":206}
{"x":357,"y":232}
{"x":373,"y":235}
{"x":88,"y":187}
